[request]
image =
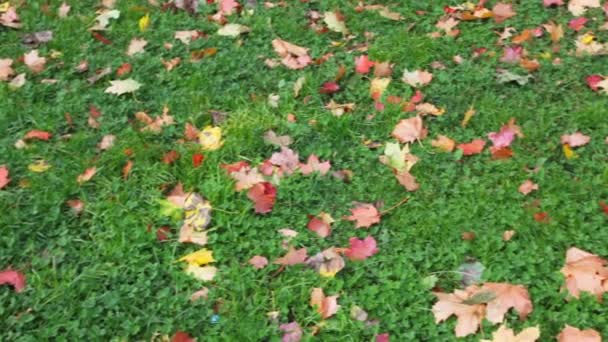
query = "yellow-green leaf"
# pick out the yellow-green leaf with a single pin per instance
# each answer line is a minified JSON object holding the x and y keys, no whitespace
{"x":198,"y":258}
{"x":144,"y":22}
{"x":39,"y":166}
{"x":210,"y":138}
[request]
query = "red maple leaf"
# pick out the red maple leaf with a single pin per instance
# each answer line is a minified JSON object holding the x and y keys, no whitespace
{"x":263,"y":195}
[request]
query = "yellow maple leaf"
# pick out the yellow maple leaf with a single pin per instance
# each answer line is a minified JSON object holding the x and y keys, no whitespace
{"x":198,"y":258}
{"x":210,"y":138}
{"x":39,"y":166}
{"x":4,"y":7}
{"x":144,"y":22}
{"x":568,"y":152}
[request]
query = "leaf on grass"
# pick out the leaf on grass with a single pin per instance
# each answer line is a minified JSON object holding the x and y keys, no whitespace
{"x":186,"y":36}
{"x":246,"y":177}
{"x":233,"y":30}
{"x":326,"y":306}
{"x":575,"y":140}
{"x":199,"y":258}
{"x":293,"y":257}
{"x":258,"y":262}
{"x":320,"y":224}
{"x":505,"y":76}
{"x":39,"y":167}
{"x":417,"y":78}
{"x":205,"y":273}
{"x":210,"y":138}
{"x":365,"y":214}
{"x":507,"y":296}
{"x":4,"y":176}
{"x":86,"y":175}
{"x":361,"y":249}
{"x":270,"y":137}
{"x":144,"y":22}
{"x":181,"y":336}
{"x":120,"y":87}
{"x":293,"y":56}
{"x":34,"y":62}
{"x":502,"y":12}
{"x":287,"y":159}
{"x":474,"y":147}
{"x":572,"y":334}
{"x":410,"y":130}
{"x":335,"y":22}
{"x":468,"y":317}
{"x":36,"y":134}
{"x":136,"y":45}
{"x":188,"y":234}
{"x":5,"y":69}
{"x":328,"y":263}
{"x":444,"y":143}
{"x":527,"y":187}
{"x":197,"y":212}
{"x":504,"y":334}
{"x":313,"y":164}
{"x":579,"y":7}
{"x":14,"y":278}
{"x":292,"y":332}
{"x":103,"y":19}
{"x":263,"y":196}
{"x":585,"y":272}
{"x":400,"y":159}
{"x":378,"y":86}
{"x":63,"y":10}
{"x":339,"y":109}
{"x":363,"y":65}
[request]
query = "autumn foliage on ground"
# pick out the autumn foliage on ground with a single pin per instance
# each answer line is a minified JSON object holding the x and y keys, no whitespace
{"x":181,"y":170}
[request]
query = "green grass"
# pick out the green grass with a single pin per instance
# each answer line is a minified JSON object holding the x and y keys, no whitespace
{"x":103,"y":276}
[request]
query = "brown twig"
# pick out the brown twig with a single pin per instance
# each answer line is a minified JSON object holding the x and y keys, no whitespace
{"x":403,"y":201}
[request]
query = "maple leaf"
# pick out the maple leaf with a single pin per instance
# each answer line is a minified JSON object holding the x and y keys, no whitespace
{"x":579,"y":7}
{"x":13,"y":278}
{"x":227,"y":7}
{"x":34,"y":62}
{"x":577,"y":24}
{"x":181,"y":336}
{"x":293,"y":56}
{"x":188,"y":234}
{"x":335,"y":22}
{"x":136,"y":46}
{"x":197,"y":211}
{"x":474,"y":147}
{"x":572,"y":334}
{"x":5,"y":69}
{"x":410,"y":130}
{"x":328,"y":263}
{"x":202,"y":293}
{"x":406,"y":179}
{"x":258,"y":262}
{"x":37,"y":135}
{"x":205,"y":273}
{"x":363,"y":65}
{"x":575,"y":140}
{"x":186,"y":36}
{"x":320,"y":224}
{"x":507,"y":296}
{"x":592,"y":81}
{"x":263,"y":195}
{"x":502,"y":12}
{"x":287,"y":159}
{"x":270,"y":137}
{"x":339,"y":109}
{"x":416,"y":78}
{"x":378,"y":86}
{"x":103,"y":19}
{"x":10,"y":18}
{"x":503,"y":138}
{"x":468,"y":316}
{"x":361,"y":249}
{"x":555,"y":30}
{"x":293,"y":257}
{"x":365,"y":214}
{"x":63,"y":10}
{"x":4,"y":176}
{"x":210,"y":138}
{"x":246,"y":177}
{"x":199,"y":258}
{"x":86,"y":175}
{"x":512,"y":54}
{"x":313,"y":164}
{"x":233,"y":30}
{"x":444,"y":143}
{"x":527,"y":187}
{"x":292,"y":332}
{"x":326,"y":306}
{"x":120,"y":87}
{"x":504,"y":334}
{"x":107,"y":141}
{"x":585,"y":272}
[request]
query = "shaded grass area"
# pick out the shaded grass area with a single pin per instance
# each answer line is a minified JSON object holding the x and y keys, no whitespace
{"x":104,"y":276}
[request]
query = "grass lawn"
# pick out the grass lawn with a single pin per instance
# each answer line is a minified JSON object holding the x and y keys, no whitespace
{"x":104,"y":275}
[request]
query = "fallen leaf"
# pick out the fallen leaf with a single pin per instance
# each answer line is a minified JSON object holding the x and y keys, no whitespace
{"x":136,"y":46}
{"x":186,"y":36}
{"x":572,"y":334}
{"x":292,"y":332}
{"x":144,"y":22}
{"x":126,"y":169}
{"x":548,"y":3}
{"x":507,"y":296}
{"x":320,"y":224}
{"x":410,"y":130}
{"x":293,"y":257}
{"x":181,"y":336}
{"x":202,"y":293}
{"x":199,"y":258}
{"x":527,"y":187}
{"x":585,"y":272}
{"x":37,"y":135}
{"x":197,"y":211}
{"x":5,"y":69}
{"x":575,"y":140}
{"x":293,"y":56}
{"x":328,"y":263}
{"x":233,"y":30}
{"x":246,"y":177}
{"x":258,"y":262}
{"x":63,"y":10}
{"x":444,"y":143}
{"x":579,"y":7}
{"x":363,"y":65}
{"x":505,"y":76}
{"x":103,"y":19}
{"x":504,"y":334}
{"x":263,"y":196}
{"x":205,"y":273}
{"x":361,"y":249}
{"x":339,"y":109}
{"x":471,"y":272}
{"x":365,"y":215}
{"x":378,"y":86}
{"x":86,"y":175}
{"x":4,"y":176}
{"x":120,"y":87}
{"x":502,"y":12}
{"x":313,"y":164}
{"x":416,"y":78}
{"x":502,"y":138}
{"x":335,"y":22}
{"x":14,"y":278}
{"x":556,"y":31}
{"x":287,"y":159}
{"x":507,"y":235}
{"x":188,"y":234}
{"x":34,"y":62}
{"x":474,"y":147}
{"x":270,"y":137}
{"x":326,"y":306}
{"x":468,"y":316}
{"x":210,"y":138}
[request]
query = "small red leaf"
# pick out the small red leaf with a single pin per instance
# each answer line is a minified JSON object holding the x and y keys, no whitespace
{"x":329,"y":88}
{"x":474,"y":147}
{"x":100,"y":38}
{"x":162,"y":233}
{"x":14,"y":278}
{"x":181,"y":336}
{"x":4,"y":178}
{"x":197,"y":159}
{"x":363,"y":65}
{"x":361,"y":249}
{"x":37,"y":135}
{"x":123,"y":69}
{"x":263,"y":195}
